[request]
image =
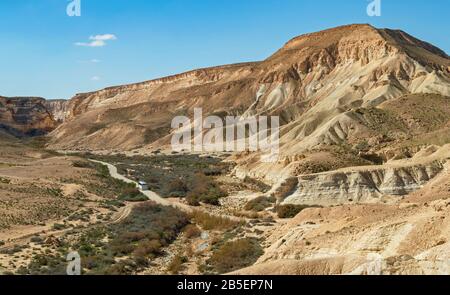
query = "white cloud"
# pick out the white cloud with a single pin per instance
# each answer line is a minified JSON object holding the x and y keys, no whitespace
{"x":97,"y":40}
{"x":95,"y":78}
{"x":105,"y":37}
{"x":94,"y":61}
{"x":97,"y":43}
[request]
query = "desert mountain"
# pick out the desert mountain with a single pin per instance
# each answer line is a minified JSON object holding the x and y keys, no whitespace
{"x":349,"y":96}
{"x":364,"y":143}
{"x":315,"y":82}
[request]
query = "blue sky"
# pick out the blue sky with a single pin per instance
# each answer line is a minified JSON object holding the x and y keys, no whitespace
{"x":153,"y":38}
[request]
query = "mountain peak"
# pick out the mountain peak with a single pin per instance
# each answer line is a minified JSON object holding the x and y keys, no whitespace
{"x":328,"y":36}
{"x":361,"y":42}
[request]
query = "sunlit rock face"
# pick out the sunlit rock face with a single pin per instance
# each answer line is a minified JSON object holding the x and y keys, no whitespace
{"x":29,"y":116}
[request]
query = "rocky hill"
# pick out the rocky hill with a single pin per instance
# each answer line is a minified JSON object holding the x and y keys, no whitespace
{"x":313,"y":80}
{"x":364,"y":144}
{"x":352,"y":96}
{"x":28,"y":116}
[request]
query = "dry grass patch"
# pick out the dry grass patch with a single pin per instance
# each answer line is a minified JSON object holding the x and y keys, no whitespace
{"x":212,"y":222}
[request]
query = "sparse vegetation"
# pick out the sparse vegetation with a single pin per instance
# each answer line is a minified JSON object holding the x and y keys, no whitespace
{"x":58,"y":226}
{"x":185,"y":176}
{"x":132,"y":194}
{"x":260,"y":203}
{"x":136,"y":240}
{"x":286,"y":188}
{"x":176,"y":264}
{"x":177,"y":188}
{"x":211,"y":222}
{"x":235,"y":255}
{"x":290,"y":211}
{"x":203,"y":190}
{"x":4,"y":180}
{"x":83,"y":164}
{"x":192,"y":231}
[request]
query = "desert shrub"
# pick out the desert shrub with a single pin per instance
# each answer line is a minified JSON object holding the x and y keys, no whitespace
{"x":36,"y":239}
{"x":83,"y":164}
{"x":176,"y":264}
{"x":136,"y":240}
{"x":147,"y":248}
{"x":54,"y":192}
{"x":259,"y":204}
{"x":286,"y":188}
{"x":212,"y":222}
{"x":362,"y":146}
{"x":58,"y":226}
{"x":132,"y":194}
{"x":148,"y":229}
{"x":113,"y":203}
{"x":246,"y":214}
{"x":214,"y":171}
{"x":48,"y":264}
{"x":290,"y":211}
{"x":113,"y":189}
{"x":96,"y":127}
{"x":204,"y":190}
{"x":5,"y":181}
{"x":256,"y":184}
{"x":235,"y":255}
{"x":177,"y":188}
{"x":192,"y":231}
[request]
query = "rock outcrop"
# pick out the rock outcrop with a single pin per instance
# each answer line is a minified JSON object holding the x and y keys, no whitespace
{"x":363,"y":184}
{"x":58,"y":108}
{"x":27,"y":116}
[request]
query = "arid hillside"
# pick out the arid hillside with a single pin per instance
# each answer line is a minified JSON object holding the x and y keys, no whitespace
{"x":361,"y":184}
{"x":313,"y":80}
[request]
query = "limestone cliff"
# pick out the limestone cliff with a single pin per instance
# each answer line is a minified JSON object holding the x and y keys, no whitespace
{"x":25,"y":116}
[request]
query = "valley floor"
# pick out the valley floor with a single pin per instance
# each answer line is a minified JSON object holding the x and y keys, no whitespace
{"x":53,"y":204}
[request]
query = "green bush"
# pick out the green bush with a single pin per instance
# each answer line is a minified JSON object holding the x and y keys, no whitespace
{"x":235,"y":255}
{"x":212,"y":222}
{"x":176,"y":264}
{"x":290,"y":211}
{"x":58,"y":226}
{"x":177,"y":188}
{"x":83,"y":164}
{"x":204,"y":190}
{"x":259,"y":204}
{"x":132,"y":194}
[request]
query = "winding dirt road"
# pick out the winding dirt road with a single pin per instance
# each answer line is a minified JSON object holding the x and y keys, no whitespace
{"x":152,"y":196}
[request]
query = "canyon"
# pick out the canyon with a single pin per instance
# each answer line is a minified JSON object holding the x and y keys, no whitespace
{"x":364,"y":141}
{"x":337,"y":94}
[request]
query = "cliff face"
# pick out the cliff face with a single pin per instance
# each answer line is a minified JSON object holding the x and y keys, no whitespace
{"x":29,"y":116}
{"x":58,"y":109}
{"x":326,"y":73}
{"x":348,"y":96}
{"x":362,"y":185}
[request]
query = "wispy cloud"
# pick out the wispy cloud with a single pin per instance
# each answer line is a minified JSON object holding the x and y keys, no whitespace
{"x":105,"y":37}
{"x":97,"y":40}
{"x":94,"y":61}
{"x":95,"y":78}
